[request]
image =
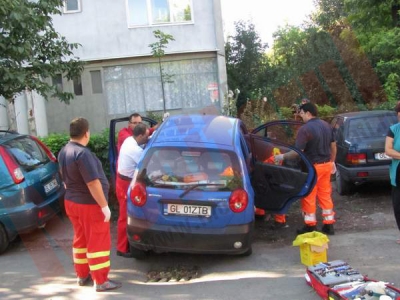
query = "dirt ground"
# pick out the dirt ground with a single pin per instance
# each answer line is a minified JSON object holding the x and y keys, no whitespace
{"x":369,"y":207}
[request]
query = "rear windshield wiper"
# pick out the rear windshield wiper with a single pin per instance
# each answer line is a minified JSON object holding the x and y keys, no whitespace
{"x":197,"y":185}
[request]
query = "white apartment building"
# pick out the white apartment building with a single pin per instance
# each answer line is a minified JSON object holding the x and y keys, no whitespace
{"x":121,"y":76}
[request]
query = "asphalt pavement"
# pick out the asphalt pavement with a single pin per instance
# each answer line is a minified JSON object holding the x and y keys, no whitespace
{"x":39,"y":266}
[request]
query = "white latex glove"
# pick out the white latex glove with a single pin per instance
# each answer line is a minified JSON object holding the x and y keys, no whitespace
{"x":165,"y":116}
{"x":278,"y":158}
{"x":107,"y":213}
{"x":333,"y":169}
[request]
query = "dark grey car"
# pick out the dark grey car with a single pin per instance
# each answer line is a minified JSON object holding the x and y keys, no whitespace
{"x":360,"y":138}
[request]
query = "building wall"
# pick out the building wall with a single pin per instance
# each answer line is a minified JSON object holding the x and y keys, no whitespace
{"x":101,"y":28}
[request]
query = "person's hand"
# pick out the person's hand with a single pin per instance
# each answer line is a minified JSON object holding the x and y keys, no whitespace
{"x":278,"y":158}
{"x":107,"y":213}
{"x":333,"y":168}
{"x":165,"y":116}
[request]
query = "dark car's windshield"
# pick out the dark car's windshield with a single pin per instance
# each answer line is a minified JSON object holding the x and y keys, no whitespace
{"x":26,"y":152}
{"x":373,"y":126}
{"x":181,"y":168}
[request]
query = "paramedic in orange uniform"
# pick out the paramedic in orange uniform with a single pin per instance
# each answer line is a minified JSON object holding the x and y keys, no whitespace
{"x":87,"y":208}
{"x":317,"y":141}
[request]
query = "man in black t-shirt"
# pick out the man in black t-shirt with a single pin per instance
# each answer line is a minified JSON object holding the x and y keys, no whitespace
{"x":86,"y":206}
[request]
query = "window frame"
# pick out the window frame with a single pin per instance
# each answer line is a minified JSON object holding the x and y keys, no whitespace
{"x":149,"y":13}
{"x":65,"y":11}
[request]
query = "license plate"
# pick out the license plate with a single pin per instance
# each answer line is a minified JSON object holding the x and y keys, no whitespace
{"x":382,"y":156}
{"x":187,"y":210}
{"x":48,"y":187}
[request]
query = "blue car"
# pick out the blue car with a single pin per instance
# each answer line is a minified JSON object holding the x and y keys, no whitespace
{"x":200,"y":178}
{"x":31,"y":189}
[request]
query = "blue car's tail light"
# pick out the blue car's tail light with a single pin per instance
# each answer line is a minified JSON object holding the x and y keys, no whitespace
{"x":12,"y":166}
{"x":238,"y":200}
{"x":138,"y":194}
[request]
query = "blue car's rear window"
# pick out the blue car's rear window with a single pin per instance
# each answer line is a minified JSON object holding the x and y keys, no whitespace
{"x":181,"y":167}
{"x":27,"y":153}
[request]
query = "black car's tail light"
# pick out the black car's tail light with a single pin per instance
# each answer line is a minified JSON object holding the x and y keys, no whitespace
{"x":50,"y":154}
{"x":238,"y":200}
{"x":12,"y":166}
{"x":356,"y":158}
{"x":138,"y":194}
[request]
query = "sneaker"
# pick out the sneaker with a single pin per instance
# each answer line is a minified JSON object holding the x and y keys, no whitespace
{"x":108,"y":285}
{"x":87,"y":281}
{"x":306,"y":229}
{"x":278,"y":225}
{"x":328,"y":229}
{"x":124,"y":254}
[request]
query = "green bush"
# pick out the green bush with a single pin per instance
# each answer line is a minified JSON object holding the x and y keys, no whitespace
{"x":98,"y":144}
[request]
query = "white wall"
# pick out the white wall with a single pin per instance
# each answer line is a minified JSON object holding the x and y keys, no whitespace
{"x":102,"y":30}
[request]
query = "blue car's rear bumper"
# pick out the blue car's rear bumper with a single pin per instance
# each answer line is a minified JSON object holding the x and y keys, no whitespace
{"x":182,"y":238}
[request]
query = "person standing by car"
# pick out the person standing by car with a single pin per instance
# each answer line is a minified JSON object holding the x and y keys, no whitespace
{"x":127,"y":161}
{"x":392,"y":149}
{"x":124,"y":133}
{"x":317,"y":141}
{"x":87,"y":207}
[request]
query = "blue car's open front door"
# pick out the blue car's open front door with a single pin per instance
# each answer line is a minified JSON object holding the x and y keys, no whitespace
{"x":278,"y":184}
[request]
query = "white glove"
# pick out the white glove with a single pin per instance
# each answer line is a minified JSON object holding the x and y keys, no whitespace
{"x":107,"y":213}
{"x":278,"y":158}
{"x":165,"y":116}
{"x":333,"y":168}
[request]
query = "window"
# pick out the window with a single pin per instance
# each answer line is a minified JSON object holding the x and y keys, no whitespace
{"x":97,"y":87}
{"x":77,"y":86}
{"x":57,"y":82}
{"x":72,"y":6}
{"x":138,"y":87}
{"x":150,"y":12}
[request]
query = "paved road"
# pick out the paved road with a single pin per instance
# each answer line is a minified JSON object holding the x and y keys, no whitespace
{"x":40,"y":267}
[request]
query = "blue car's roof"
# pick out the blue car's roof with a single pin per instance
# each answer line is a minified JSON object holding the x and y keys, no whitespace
{"x":198,"y":128}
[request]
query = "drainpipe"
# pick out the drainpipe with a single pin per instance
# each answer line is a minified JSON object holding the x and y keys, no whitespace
{"x":3,"y":114}
{"x":21,"y":113}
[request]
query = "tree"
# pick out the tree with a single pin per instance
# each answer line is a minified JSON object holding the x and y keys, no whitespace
{"x":244,"y":54}
{"x":31,"y":50}
{"x":157,"y":49}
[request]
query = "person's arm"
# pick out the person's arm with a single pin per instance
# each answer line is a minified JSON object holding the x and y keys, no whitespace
{"x":389,"y":148}
{"x":96,"y":190}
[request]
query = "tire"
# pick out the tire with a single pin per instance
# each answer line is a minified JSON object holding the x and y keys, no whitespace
{"x":248,"y":252}
{"x":138,"y":254}
{"x":343,"y":187}
{"x":4,"y":241}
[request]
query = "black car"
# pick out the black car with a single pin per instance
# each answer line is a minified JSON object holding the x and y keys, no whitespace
{"x":31,"y":189}
{"x":361,"y":157}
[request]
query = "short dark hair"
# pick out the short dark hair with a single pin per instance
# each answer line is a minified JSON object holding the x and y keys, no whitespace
{"x":134,"y":115}
{"x":78,"y":127}
{"x":139,"y":129}
{"x":309,"y":107}
{"x":397,"y":107}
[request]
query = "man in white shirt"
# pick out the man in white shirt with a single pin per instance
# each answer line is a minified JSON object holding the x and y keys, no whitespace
{"x":128,"y":159}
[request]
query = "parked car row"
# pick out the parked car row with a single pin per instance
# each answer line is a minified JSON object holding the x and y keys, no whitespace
{"x":199,"y":181}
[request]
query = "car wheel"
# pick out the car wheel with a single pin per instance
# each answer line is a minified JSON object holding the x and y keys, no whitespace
{"x":343,"y":187}
{"x":248,"y":252}
{"x":4,"y":241}
{"x":138,"y":254}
